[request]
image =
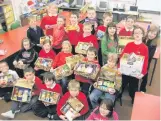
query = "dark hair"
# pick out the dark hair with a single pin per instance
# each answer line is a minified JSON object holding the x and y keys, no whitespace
{"x":75,"y":13}
{"x":93,"y":49}
{"x":131,"y":17}
{"x":138,"y":27}
{"x":48,"y":76}
{"x":29,"y":69}
{"x":4,"y":62}
{"x":25,"y":40}
{"x":46,"y":41}
{"x":62,"y":17}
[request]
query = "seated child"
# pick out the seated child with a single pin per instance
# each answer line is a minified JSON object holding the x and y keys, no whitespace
{"x":87,"y":37}
{"x":5,"y":71}
{"x":112,"y":69}
{"x":16,"y":107}
{"x":34,"y":33}
{"x":44,"y":109}
{"x":86,"y":83}
{"x":129,"y":27}
{"x":104,"y":111}
{"x":74,"y":92}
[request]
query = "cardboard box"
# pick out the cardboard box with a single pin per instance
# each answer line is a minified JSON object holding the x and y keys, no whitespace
{"x":49,"y":96}
{"x":22,"y":91}
{"x":7,"y":80}
{"x":82,"y":47}
{"x":43,"y":63}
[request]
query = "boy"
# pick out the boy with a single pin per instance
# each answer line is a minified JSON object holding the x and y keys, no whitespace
{"x":129,"y":27}
{"x":49,"y":20}
{"x":16,"y":107}
{"x":5,"y":71}
{"x":74,"y":92}
{"x":108,"y":71}
{"x":34,"y":32}
{"x":43,"y":109}
{"x":86,"y":36}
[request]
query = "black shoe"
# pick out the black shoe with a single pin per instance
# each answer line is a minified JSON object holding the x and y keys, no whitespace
{"x":132,"y":101}
{"x":143,"y":90}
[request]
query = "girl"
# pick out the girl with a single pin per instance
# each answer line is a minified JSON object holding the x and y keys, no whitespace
{"x":60,"y":60}
{"x":139,"y":48}
{"x":104,"y":111}
{"x":109,"y":42}
{"x":152,"y":41}
{"x":85,"y":83}
{"x":43,"y":109}
{"x":26,"y":55}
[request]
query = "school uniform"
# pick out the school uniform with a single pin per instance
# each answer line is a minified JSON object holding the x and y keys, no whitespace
{"x":126,"y":32}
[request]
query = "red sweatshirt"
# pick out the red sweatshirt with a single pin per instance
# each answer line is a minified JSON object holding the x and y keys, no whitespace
{"x":60,"y":59}
{"x":84,"y":79}
{"x":89,"y":39}
{"x":37,"y":86}
{"x":73,"y":35}
{"x":124,"y":32}
{"x":81,"y":97}
{"x":102,"y":28}
{"x":51,"y":54}
{"x":48,"y":20}
{"x":140,"y":49}
{"x":58,"y":36}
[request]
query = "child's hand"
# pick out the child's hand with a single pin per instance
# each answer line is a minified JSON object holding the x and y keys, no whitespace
{"x":32,"y":93}
{"x":95,"y":25}
{"x":66,"y":30}
{"x":76,"y":115}
{"x":51,"y":70}
{"x":63,"y":117}
{"x":14,"y":63}
{"x":140,"y":76}
{"x":36,"y":68}
{"x":118,"y":71}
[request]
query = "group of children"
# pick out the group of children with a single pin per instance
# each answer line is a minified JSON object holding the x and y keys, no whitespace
{"x":61,"y":44}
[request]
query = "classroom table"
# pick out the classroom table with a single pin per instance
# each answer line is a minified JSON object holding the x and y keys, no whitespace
{"x":146,"y":107}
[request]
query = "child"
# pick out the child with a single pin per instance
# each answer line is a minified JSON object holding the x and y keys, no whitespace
{"x":109,"y":43}
{"x":26,"y":55}
{"x":91,"y":18}
{"x":16,"y":107}
{"x":139,"y":48}
{"x":104,"y":111}
{"x":5,"y":71}
{"x":43,"y":109}
{"x":34,"y":32}
{"x":49,"y":20}
{"x":87,"y":37}
{"x":58,"y":34}
{"x":111,"y":66}
{"x":86,"y":83}
{"x":107,"y":18}
{"x":129,"y":27}
{"x":60,"y":60}
{"x":73,"y":35}
{"x":152,"y":41}
{"x":74,"y":92}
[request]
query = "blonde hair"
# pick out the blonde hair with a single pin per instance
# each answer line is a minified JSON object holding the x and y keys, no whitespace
{"x":107,"y":14}
{"x":31,"y":18}
{"x":91,"y":8}
{"x":51,"y":5}
{"x":66,"y":42}
{"x":112,"y":57}
{"x":73,"y":85}
{"x":87,"y":24}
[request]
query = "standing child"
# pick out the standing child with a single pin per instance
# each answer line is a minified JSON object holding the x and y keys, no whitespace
{"x":109,"y":43}
{"x":49,"y":20}
{"x":104,"y":112}
{"x":16,"y":107}
{"x":58,"y":34}
{"x":43,"y":109}
{"x":5,"y":71}
{"x":34,"y":32}
{"x":87,"y":37}
{"x":112,"y":68}
{"x":60,"y":60}
{"x":139,"y":48}
{"x":129,"y":27}
{"x":86,"y":83}
{"x":74,"y":92}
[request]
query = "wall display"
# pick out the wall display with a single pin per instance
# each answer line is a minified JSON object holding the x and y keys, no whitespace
{"x":82,"y":47}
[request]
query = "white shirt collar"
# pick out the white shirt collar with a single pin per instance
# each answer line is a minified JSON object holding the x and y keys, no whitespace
{"x":51,"y":86}
{"x":129,"y":29}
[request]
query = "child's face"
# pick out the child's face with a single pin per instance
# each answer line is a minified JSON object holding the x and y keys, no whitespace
{"x":73,"y":19}
{"x":138,"y":35}
{"x":66,"y":48}
{"x":48,"y":83}
{"x":32,"y":23}
{"x":111,"y":31}
{"x":29,"y":75}
{"x":26,"y":45}
{"x":53,"y":9}
{"x":91,"y":55}
{"x":87,"y":29}
{"x":107,"y":20}
{"x":4,"y":67}
{"x":91,"y":14}
{"x":152,"y":35}
{"x":111,"y":64}
{"x":47,"y":47}
{"x":60,"y":21}
{"x":103,"y":111}
{"x":74,"y":92}
{"x":130,"y":23}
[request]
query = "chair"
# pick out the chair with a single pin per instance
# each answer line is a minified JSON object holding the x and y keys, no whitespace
{"x":15,"y":25}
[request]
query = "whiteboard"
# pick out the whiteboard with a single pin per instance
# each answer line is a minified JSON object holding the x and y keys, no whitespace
{"x":149,"y":5}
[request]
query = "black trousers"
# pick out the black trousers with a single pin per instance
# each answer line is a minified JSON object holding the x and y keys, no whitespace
{"x":133,"y":85}
{"x":144,"y":83}
{"x":56,"y":117}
